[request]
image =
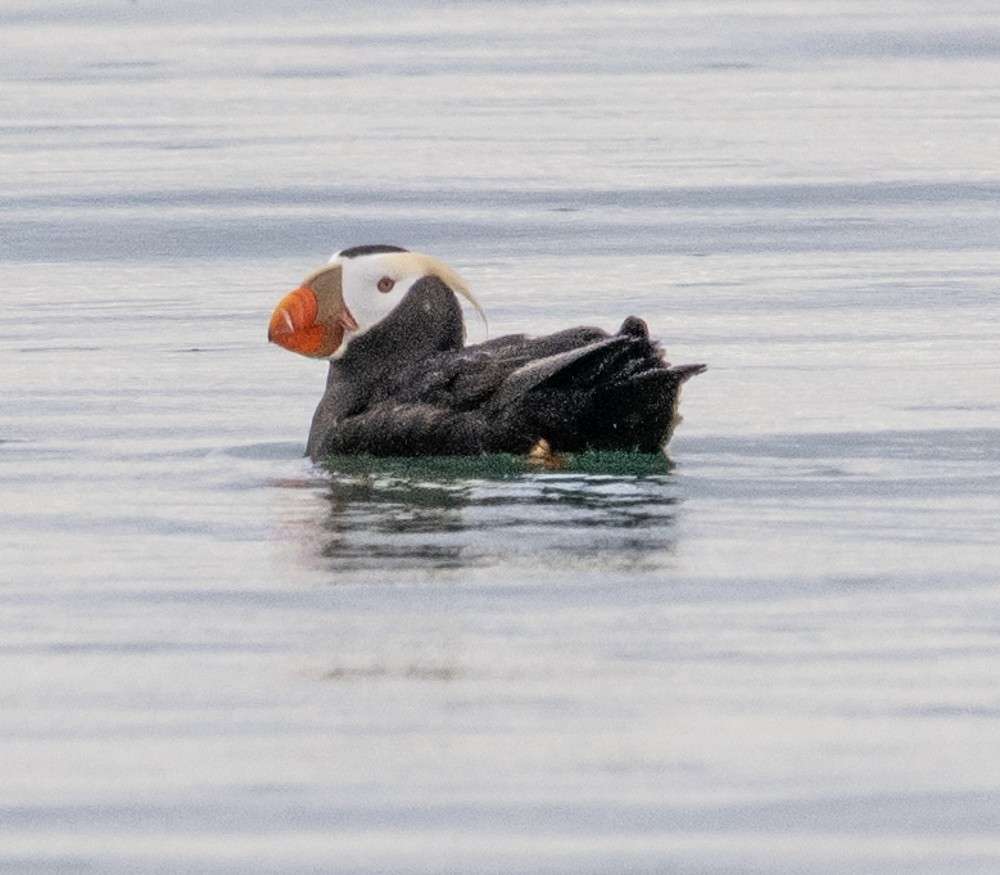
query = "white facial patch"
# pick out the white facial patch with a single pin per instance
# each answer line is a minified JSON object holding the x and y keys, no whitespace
{"x":360,"y":284}
{"x":361,"y":278}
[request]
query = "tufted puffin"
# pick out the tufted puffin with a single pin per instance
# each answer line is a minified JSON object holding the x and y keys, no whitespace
{"x":402,"y":382}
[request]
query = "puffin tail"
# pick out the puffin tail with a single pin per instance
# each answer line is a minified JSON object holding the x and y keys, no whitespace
{"x":637,"y":409}
{"x":613,"y":394}
{"x":640,"y":412}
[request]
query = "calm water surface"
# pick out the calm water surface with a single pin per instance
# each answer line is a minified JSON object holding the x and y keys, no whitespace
{"x":778,"y":655}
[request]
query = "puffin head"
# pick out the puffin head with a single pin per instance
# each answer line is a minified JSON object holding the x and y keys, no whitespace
{"x":357,"y":289}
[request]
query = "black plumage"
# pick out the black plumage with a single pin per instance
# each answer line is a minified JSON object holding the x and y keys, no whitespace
{"x":410,"y":387}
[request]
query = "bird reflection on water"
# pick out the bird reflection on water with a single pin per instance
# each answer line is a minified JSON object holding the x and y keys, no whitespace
{"x":609,"y":510}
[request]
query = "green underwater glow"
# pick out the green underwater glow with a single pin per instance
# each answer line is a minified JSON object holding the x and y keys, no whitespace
{"x":501,"y":466}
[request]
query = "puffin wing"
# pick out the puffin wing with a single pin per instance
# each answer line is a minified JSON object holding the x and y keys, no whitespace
{"x":439,"y":403}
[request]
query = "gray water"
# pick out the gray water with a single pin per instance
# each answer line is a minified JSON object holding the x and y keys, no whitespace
{"x":779,"y":655}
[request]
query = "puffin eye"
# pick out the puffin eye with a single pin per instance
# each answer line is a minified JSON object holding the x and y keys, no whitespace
{"x":385,"y":284}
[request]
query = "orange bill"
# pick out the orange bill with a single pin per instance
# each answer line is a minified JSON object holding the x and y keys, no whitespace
{"x":294,"y":325}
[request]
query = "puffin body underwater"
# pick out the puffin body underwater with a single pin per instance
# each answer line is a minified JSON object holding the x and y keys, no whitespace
{"x":402,"y":382}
